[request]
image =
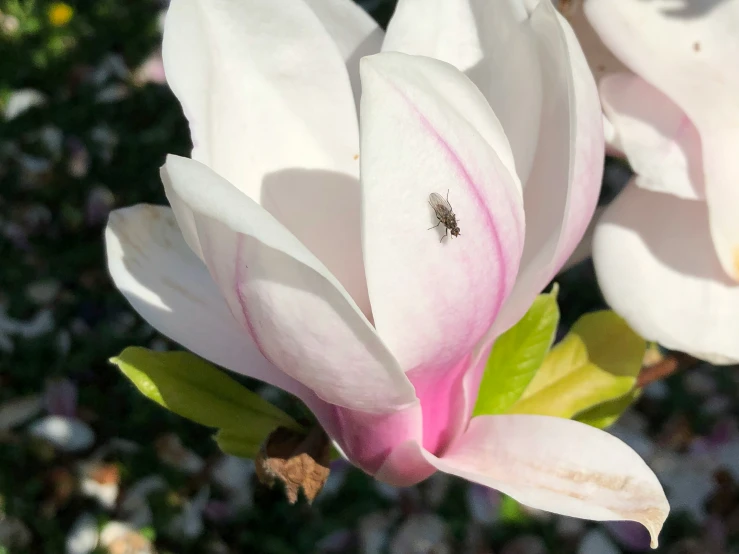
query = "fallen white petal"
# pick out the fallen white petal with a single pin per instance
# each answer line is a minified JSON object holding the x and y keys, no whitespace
{"x":19,"y":410}
{"x":21,"y":100}
{"x":67,"y":434}
{"x":83,"y":536}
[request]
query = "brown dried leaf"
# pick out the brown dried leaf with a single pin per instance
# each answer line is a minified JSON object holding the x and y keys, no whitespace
{"x":295,"y":459}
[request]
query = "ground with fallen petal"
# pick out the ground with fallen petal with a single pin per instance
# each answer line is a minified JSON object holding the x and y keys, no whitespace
{"x":89,"y":465}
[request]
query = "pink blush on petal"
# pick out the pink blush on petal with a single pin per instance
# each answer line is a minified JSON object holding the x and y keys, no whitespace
{"x":442,"y":404}
{"x":367,"y":439}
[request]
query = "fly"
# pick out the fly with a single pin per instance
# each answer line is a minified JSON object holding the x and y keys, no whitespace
{"x":443,"y":210}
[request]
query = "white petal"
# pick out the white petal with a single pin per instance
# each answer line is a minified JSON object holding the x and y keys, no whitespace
{"x":263,"y":86}
{"x":656,"y":267}
{"x":494,"y":44}
{"x":270,"y":106}
{"x":353,"y":30}
{"x":173,"y":291}
{"x":299,"y":315}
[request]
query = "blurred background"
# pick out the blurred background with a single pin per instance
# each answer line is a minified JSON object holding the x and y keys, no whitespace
{"x":87,"y":464}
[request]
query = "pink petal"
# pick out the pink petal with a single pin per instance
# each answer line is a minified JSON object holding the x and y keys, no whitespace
{"x":493,"y":43}
{"x":298,"y":314}
{"x":406,"y":465}
{"x":660,"y":142}
{"x":657,"y":269}
{"x":426,"y":128}
{"x":368,"y":439}
{"x":172,"y":290}
{"x":560,"y":466}
{"x":445,"y":405}
{"x":270,"y":106}
{"x":561,"y":194}
{"x":690,"y":55}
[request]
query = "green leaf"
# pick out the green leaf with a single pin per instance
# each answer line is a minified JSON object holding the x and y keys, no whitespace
{"x":191,"y":387}
{"x":517,"y":355}
{"x":606,"y":414}
{"x":240,"y":443}
{"x":597,"y":362}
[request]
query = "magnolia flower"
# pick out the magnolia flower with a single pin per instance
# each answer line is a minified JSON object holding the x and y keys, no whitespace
{"x":297,"y":249}
{"x":666,"y":251}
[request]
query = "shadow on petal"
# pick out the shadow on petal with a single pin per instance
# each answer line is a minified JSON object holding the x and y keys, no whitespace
{"x":322,"y":209}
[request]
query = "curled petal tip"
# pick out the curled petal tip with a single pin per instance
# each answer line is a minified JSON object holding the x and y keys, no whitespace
{"x":653,"y":519}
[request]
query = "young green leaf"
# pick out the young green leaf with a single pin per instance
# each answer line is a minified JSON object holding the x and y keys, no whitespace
{"x":517,"y":355}
{"x":597,"y":362}
{"x":606,"y":414}
{"x":191,"y":387}
{"x":611,"y":343}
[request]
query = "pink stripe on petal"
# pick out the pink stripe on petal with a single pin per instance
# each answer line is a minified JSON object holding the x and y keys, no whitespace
{"x":476,"y":192}
{"x":507,"y":259}
{"x":426,"y":128}
{"x":473,"y":189}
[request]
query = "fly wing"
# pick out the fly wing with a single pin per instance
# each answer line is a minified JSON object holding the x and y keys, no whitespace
{"x":439,"y":204}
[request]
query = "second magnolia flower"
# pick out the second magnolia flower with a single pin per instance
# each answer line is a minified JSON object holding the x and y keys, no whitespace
{"x":301,"y":255}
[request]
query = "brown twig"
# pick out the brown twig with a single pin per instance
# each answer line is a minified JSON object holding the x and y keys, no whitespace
{"x":671,"y":363}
